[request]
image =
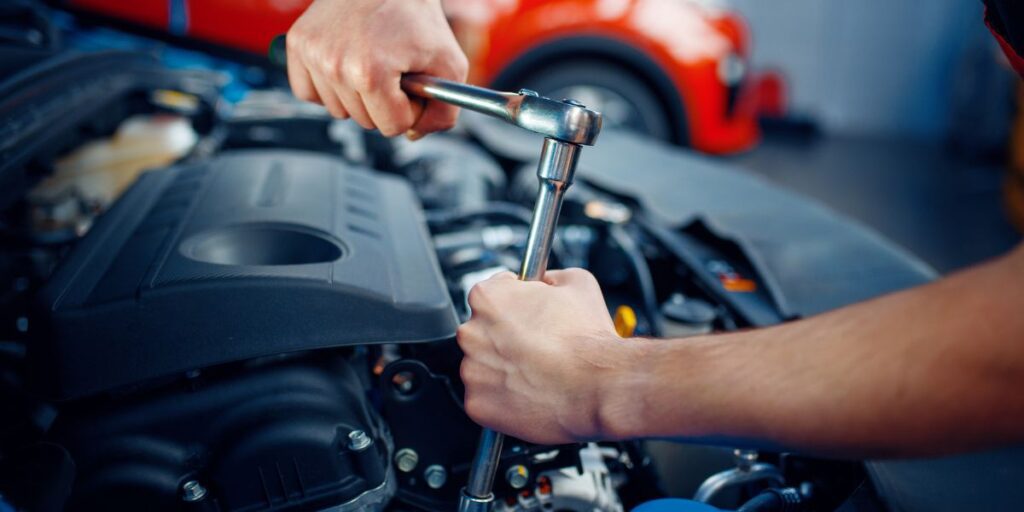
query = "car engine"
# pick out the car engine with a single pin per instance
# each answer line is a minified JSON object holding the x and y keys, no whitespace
{"x":264,"y":319}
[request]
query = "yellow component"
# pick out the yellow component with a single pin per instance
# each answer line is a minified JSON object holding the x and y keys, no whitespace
{"x":625,"y":321}
{"x":176,"y":100}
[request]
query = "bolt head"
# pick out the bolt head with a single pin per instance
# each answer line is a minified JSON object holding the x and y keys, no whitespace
{"x":192,"y":491}
{"x":435,"y":476}
{"x":517,"y":476}
{"x":406,"y":459}
{"x":358,"y":440}
{"x":744,"y":458}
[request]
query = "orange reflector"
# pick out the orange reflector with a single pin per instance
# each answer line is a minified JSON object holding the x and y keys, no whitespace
{"x":625,"y":321}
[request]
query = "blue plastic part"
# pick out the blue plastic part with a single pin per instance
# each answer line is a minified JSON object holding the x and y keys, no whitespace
{"x":675,"y":505}
{"x":5,"y":506}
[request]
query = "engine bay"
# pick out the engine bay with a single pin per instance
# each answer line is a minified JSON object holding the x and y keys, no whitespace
{"x":264,"y":319}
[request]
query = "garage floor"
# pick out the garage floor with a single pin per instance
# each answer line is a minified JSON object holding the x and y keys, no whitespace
{"x":945,"y":209}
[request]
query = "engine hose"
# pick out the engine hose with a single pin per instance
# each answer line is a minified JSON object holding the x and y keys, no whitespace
{"x":643,"y":275}
{"x":775,"y":500}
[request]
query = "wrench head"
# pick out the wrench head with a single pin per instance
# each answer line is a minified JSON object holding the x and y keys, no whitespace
{"x":561,"y":120}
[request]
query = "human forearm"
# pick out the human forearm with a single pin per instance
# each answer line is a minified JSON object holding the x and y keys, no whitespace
{"x":938,"y":368}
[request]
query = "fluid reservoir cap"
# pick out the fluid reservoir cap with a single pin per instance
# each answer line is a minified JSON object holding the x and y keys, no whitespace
{"x":688,"y":311}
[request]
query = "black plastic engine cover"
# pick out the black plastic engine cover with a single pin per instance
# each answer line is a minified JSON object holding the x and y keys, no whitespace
{"x":249,"y":254}
{"x":273,"y":438}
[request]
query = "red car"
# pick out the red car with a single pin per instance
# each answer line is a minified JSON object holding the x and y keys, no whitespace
{"x":674,"y":69}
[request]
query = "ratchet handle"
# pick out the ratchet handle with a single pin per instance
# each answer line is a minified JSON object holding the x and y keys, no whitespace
{"x":565,"y":120}
{"x":478,"y":99}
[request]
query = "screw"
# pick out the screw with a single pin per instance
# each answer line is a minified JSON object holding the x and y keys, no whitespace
{"x":570,"y":101}
{"x":406,"y":459}
{"x":358,"y":440}
{"x":529,"y":92}
{"x":435,"y":476}
{"x":744,"y":458}
{"x":192,"y":491}
{"x":404,"y":382}
{"x":517,"y":476}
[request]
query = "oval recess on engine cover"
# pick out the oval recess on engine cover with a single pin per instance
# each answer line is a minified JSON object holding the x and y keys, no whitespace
{"x":262,"y":244}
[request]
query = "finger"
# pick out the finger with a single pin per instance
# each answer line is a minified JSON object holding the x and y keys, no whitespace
{"x":353,"y":103}
{"x":569,"y":277}
{"x":389,"y":108}
{"x":328,"y":98}
{"x":300,"y":81}
{"x":503,"y":276}
{"x":438,"y":116}
{"x":479,"y":376}
{"x":298,"y":75}
{"x":419,"y":105}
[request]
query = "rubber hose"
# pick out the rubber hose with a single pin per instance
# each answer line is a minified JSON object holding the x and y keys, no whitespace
{"x":774,"y":500}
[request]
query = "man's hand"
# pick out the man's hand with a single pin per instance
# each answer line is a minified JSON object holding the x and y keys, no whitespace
{"x":349,"y":55}
{"x":542,"y":359}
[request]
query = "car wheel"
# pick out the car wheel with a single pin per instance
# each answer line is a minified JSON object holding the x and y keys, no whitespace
{"x":625,"y":100}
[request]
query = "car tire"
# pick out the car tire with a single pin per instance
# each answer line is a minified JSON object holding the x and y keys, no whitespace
{"x":626,"y":100}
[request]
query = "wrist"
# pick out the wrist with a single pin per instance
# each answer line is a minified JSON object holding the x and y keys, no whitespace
{"x":625,"y":394}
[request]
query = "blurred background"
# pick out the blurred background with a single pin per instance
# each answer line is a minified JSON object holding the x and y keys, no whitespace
{"x":915,"y":106}
{"x":901,"y":115}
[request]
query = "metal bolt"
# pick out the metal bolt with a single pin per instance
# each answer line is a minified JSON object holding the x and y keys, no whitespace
{"x":517,"y":476}
{"x":192,"y":491}
{"x":570,"y":101}
{"x":404,"y":382}
{"x":436,"y":476}
{"x":406,"y":459}
{"x":358,"y":440}
{"x":744,"y":458}
{"x":529,"y":92}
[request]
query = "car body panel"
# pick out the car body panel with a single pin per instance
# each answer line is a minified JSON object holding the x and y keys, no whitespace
{"x":689,"y":41}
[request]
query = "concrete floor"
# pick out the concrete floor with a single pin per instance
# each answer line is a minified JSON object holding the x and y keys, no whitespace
{"x":944,"y":208}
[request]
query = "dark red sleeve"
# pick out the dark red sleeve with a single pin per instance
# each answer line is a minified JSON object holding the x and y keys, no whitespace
{"x":1005,"y":18}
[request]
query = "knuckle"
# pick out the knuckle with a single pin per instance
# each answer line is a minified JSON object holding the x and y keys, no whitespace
{"x":332,"y":67}
{"x":464,"y":371}
{"x":473,"y":406}
{"x":295,"y":37}
{"x":390,"y":129}
{"x":463,"y":335}
{"x":474,"y":296}
{"x":460,"y":65}
{"x":360,"y":72}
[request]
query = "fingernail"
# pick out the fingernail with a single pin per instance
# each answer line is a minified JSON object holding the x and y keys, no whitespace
{"x":414,"y":135}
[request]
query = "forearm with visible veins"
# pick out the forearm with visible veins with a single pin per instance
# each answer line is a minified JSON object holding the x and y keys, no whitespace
{"x":931,"y":370}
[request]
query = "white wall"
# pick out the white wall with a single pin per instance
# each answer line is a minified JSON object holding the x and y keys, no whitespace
{"x":867,"y":66}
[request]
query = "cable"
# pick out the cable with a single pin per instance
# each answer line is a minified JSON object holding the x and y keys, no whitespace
{"x":775,"y":500}
{"x":643,"y":275}
{"x":495,"y":209}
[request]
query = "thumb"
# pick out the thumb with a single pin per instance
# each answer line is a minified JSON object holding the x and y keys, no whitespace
{"x":569,"y":277}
